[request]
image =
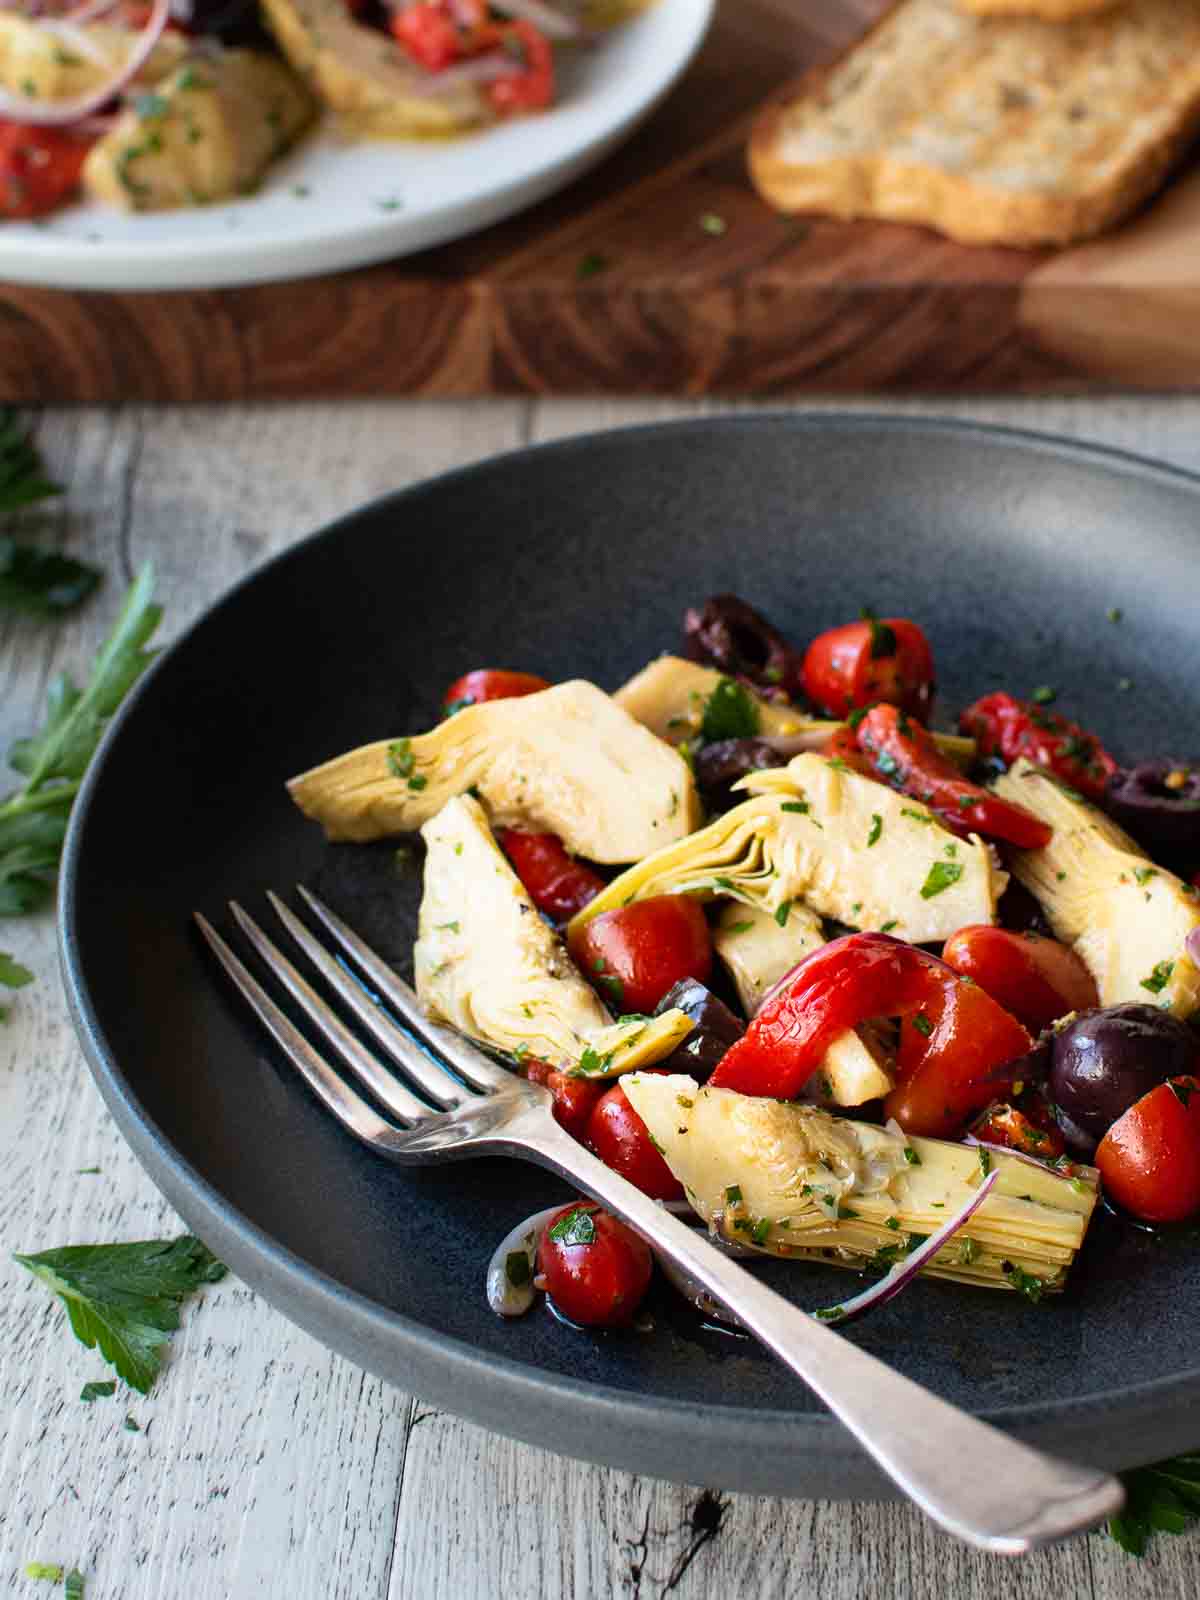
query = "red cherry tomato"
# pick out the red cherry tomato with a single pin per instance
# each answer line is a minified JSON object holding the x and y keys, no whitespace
{"x":489,"y":683}
{"x":1004,"y":1124}
{"x":1149,"y":1159}
{"x":601,"y":1280}
{"x":531,"y":87}
{"x":1009,"y":728}
{"x":1037,"y":979}
{"x":864,"y":662}
{"x":574,"y":1098}
{"x":39,"y":168}
{"x":905,"y":754}
{"x":436,"y":33}
{"x":622,"y":1140}
{"x":555,"y":882}
{"x":635,"y":954}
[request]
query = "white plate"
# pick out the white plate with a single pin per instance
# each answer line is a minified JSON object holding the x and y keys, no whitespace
{"x":331,"y":205}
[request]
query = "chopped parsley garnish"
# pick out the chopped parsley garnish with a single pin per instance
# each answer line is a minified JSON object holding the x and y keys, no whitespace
{"x":922,"y":1023}
{"x":762,"y":1229}
{"x":888,"y":926}
{"x":1164,"y":1498}
{"x":875,"y":830}
{"x":13,"y":976}
{"x":1024,"y":1282}
{"x":73,"y":1586}
{"x":733,"y":1195}
{"x":131,"y":1425}
{"x":893,"y":1223}
{"x":1144,"y":874}
{"x":740,"y":927}
{"x":800,"y":807}
{"x":917,"y":816}
{"x":590,"y":264}
{"x":577,"y":1227}
{"x":517,"y":1269}
{"x":887,"y":764}
{"x":942,"y":874}
{"x":400,"y":758}
{"x":911,"y":1156}
{"x":125,"y":1298}
{"x":712,"y":223}
{"x":729,"y":713}
{"x":1159,"y":978}
{"x":98,"y":1391}
{"x":46,"y":1571}
{"x":968,"y":1251}
{"x":783,"y":913}
{"x":1045,"y":695}
{"x":1114,"y":613}
{"x":883,"y":638}
{"x":985,"y":1161}
{"x":592,"y":1063}
{"x":449,"y":927}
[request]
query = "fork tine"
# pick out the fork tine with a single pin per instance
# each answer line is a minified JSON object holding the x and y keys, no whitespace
{"x":335,"y":1094}
{"x":369,"y":1071}
{"x":421,"y":1069}
{"x":463,"y":1056}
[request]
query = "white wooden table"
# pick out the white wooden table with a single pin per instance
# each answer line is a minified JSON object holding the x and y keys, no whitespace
{"x":266,"y":1466}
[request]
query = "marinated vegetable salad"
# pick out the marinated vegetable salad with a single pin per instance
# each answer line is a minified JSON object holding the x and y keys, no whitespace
{"x":845,"y":987}
{"x":153,"y":105}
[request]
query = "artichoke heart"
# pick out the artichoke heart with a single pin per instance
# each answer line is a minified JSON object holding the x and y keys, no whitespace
{"x":758,"y":949}
{"x":566,"y":760}
{"x":669,"y":696}
{"x":1126,"y":918}
{"x":487,"y":963}
{"x":846,"y":846}
{"x":798,"y":1182}
{"x":38,"y":61}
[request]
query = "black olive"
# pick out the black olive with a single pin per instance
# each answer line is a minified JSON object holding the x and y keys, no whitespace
{"x":1105,"y":1060}
{"x":1158,"y":802}
{"x":719,"y":765}
{"x":716,"y":1028}
{"x":727,"y":633}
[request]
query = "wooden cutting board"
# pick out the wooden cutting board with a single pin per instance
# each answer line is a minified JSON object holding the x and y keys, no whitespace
{"x":627,"y":284}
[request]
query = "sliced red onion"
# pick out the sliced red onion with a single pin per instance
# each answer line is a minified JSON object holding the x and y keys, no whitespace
{"x":89,"y":11}
{"x":506,"y":1298}
{"x":79,"y":40}
{"x":1192,"y":945}
{"x":905,"y":1271}
{"x":551,"y":21}
{"x":1019,"y":1155}
{"x":61,"y":113}
{"x":476,"y":70}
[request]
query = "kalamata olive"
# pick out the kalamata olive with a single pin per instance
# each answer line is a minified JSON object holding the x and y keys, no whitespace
{"x":1105,"y":1060}
{"x":727,"y":633}
{"x":720,"y":764}
{"x":234,"y":22}
{"x":1158,"y":802}
{"x":716,"y":1028}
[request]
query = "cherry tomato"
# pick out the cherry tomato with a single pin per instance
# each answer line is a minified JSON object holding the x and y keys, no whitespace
{"x":1006,"y":727}
{"x":906,"y":755}
{"x":622,"y":1140}
{"x":531,"y":87}
{"x":489,"y":683}
{"x":1004,"y":1124}
{"x":864,"y":662}
{"x":436,"y":33}
{"x":555,"y":882}
{"x":635,"y":954}
{"x":601,"y":1279}
{"x":1149,"y":1159}
{"x":1037,"y":979}
{"x":574,"y":1098}
{"x":39,"y":168}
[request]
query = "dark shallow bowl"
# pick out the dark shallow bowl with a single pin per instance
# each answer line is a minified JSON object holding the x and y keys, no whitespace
{"x":577,"y":560}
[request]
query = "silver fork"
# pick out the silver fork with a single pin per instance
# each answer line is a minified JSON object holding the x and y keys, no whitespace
{"x":978,"y":1483}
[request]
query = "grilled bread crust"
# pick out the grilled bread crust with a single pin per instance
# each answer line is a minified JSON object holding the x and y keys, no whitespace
{"x":1010,"y":131}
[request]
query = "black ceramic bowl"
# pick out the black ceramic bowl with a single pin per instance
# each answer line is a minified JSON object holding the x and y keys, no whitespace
{"x":577,"y":560}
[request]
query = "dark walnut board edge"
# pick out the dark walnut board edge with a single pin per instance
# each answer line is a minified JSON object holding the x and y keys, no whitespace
{"x":617,"y":286}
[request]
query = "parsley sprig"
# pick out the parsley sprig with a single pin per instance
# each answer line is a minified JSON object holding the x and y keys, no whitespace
{"x":1159,"y":1499}
{"x":41,"y":582}
{"x":33,"y":819}
{"x":125,"y":1298}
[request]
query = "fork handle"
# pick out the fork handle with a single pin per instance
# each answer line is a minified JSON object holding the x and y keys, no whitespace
{"x":978,"y":1483}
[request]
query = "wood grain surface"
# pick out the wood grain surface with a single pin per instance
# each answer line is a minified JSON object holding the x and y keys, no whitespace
{"x":771,"y":305}
{"x":265,"y":1466}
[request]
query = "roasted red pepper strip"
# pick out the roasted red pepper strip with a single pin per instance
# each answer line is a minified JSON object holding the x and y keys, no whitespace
{"x":555,"y":882}
{"x":905,"y":755}
{"x":843,"y":747}
{"x":490,"y":683}
{"x":1006,"y":727}
{"x":1004,"y":1124}
{"x":868,"y":975}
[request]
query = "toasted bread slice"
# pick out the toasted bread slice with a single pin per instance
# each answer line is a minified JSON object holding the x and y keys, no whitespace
{"x":1048,"y":10}
{"x":1005,"y":131}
